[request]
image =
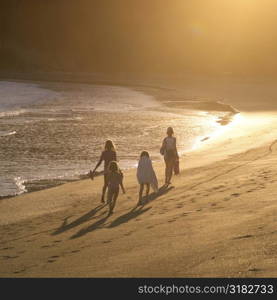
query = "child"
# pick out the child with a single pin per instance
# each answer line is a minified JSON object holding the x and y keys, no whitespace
{"x":108,"y":155}
{"x":114,"y":180}
{"x":146,"y":175}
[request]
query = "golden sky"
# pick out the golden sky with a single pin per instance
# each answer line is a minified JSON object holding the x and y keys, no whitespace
{"x":143,"y":35}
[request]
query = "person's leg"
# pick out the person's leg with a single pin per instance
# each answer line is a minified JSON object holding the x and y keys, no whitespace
{"x":167,"y":172}
{"x":147,"y":189}
{"x":170,"y":170}
{"x":103,"y":193}
{"x":113,"y":201}
{"x":104,"y":188}
{"x":140,"y":193}
{"x":110,"y":196}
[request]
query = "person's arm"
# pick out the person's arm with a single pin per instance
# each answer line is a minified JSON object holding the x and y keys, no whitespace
{"x":122,"y":188}
{"x":121,"y":184}
{"x":99,"y":163}
{"x":162,"y":149}
{"x":176,"y":149}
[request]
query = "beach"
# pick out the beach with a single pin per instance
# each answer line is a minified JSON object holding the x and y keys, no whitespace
{"x":217,"y":219}
{"x":53,"y":132}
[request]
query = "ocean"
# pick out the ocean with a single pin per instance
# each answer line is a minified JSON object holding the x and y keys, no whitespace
{"x":52,"y":133}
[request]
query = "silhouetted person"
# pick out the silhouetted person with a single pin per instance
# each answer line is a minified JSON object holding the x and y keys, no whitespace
{"x":170,"y":153}
{"x":146,"y":175}
{"x":108,"y":155}
{"x":114,"y":180}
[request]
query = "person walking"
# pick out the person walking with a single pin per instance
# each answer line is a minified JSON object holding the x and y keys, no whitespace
{"x":170,"y":153}
{"x":108,"y":155}
{"x":146,"y":175}
{"x":114,"y":180}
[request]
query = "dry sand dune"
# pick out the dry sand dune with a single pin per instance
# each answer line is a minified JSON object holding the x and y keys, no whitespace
{"x":218,"y":219}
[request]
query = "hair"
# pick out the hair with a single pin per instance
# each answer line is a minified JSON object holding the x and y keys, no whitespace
{"x":170,"y":130}
{"x":144,"y":153}
{"x":109,"y":145}
{"x":113,"y":166}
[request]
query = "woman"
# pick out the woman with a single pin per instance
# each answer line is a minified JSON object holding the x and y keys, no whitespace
{"x":107,"y":156}
{"x":170,"y":153}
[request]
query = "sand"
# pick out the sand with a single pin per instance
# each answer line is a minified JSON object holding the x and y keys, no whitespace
{"x":217,"y":219}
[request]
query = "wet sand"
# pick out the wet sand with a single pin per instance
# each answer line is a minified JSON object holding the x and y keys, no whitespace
{"x":217,"y":219}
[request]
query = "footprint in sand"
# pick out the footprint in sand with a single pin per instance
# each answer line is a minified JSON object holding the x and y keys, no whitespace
{"x":75,"y":251}
{"x":255,"y":270}
{"x":183,"y":214}
{"x":85,"y":247}
{"x":57,"y":241}
{"x":128,"y":233}
{"x":213,"y":204}
{"x":226,"y":199}
{"x":29,"y":241}
{"x":9,"y":257}
{"x":243,"y":237}
{"x":19,"y":271}
{"x":149,"y":227}
{"x":171,"y":221}
{"x":235,"y":195}
{"x":7,"y":248}
{"x":106,"y":242}
{"x":219,"y":187}
{"x":46,"y":246}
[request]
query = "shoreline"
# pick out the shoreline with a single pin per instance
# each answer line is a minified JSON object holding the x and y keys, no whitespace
{"x":154,"y":91}
{"x":65,"y":232}
{"x":194,"y":158}
{"x":217,"y":219}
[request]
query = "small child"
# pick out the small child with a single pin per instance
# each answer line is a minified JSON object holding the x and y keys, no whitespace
{"x":146,"y":175}
{"x":114,"y":180}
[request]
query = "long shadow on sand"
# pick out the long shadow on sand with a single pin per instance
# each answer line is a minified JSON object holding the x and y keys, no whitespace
{"x":97,"y":225}
{"x":162,"y":191}
{"x":138,"y":210}
{"x":133,"y":213}
{"x":86,"y":217}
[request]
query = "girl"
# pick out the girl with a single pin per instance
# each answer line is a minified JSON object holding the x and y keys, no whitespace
{"x":146,"y":175}
{"x":170,"y":153}
{"x":114,"y":180}
{"x":107,"y":156}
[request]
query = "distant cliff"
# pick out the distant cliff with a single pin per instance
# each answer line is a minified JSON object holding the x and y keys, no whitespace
{"x":135,"y":36}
